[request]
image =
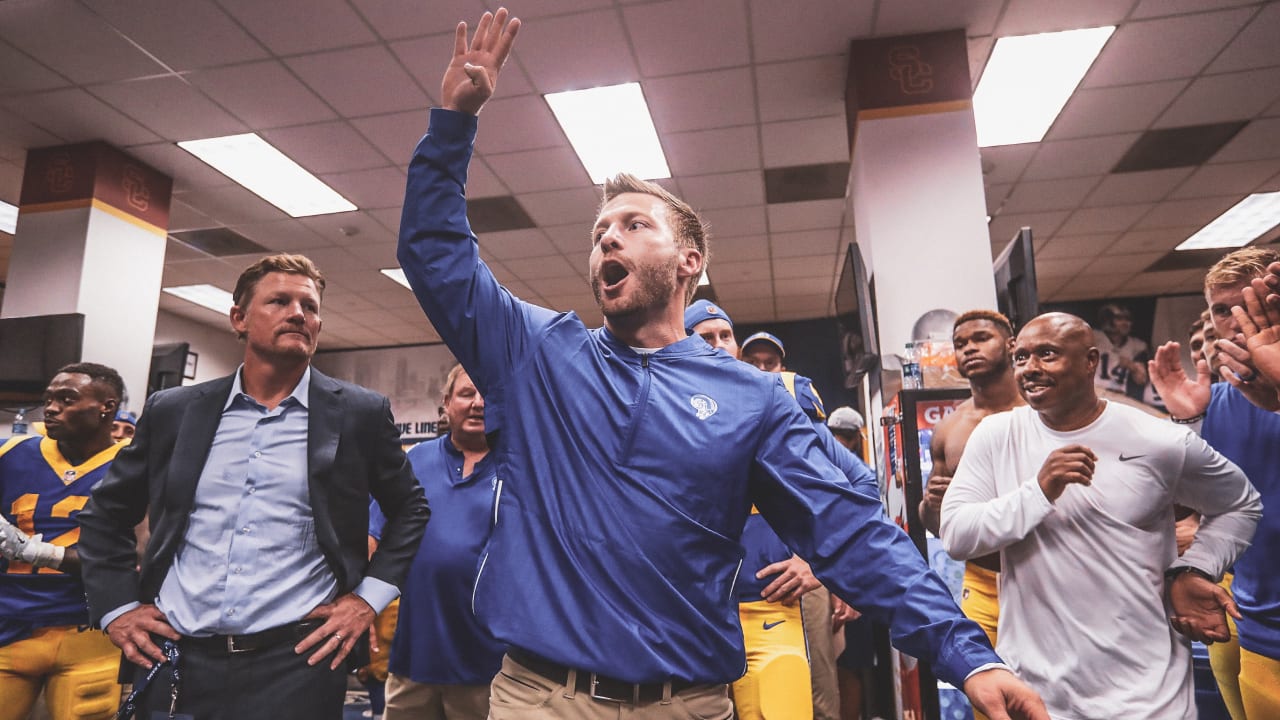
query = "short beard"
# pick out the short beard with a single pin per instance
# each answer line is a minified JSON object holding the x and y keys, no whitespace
{"x":657,"y":284}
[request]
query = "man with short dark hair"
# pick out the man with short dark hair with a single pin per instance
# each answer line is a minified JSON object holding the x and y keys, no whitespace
{"x":1077,"y":495}
{"x":257,"y":487}
{"x":44,"y":481}
{"x":631,"y":456}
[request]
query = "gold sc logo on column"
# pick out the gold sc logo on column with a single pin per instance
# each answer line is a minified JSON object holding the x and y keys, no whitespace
{"x":914,"y":75}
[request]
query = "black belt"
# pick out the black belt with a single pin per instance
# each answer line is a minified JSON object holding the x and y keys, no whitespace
{"x":235,"y":644}
{"x":597,"y":686}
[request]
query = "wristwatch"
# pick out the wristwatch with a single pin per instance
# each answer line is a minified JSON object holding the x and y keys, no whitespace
{"x":1172,"y":573}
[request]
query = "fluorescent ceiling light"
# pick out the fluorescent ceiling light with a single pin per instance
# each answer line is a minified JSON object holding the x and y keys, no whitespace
{"x":1027,"y":81}
{"x":208,"y":296}
{"x":704,"y":280}
{"x":396,"y":274}
{"x":1246,"y":221}
{"x":611,"y":130}
{"x":8,"y":218}
{"x":269,"y":173}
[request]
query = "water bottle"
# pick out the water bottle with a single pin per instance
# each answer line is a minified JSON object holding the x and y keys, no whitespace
{"x":20,"y":423}
{"x":911,"y":376}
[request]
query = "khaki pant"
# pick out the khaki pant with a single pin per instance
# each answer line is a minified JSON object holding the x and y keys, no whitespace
{"x":518,"y":693}
{"x":409,"y":700}
{"x":816,"y":605}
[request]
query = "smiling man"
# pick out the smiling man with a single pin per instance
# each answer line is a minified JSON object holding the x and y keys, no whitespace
{"x":1076,"y":494}
{"x":44,"y":481}
{"x":258,"y":487}
{"x":630,"y":455}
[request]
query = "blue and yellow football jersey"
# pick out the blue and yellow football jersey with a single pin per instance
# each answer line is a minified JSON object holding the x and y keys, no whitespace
{"x":40,"y":492}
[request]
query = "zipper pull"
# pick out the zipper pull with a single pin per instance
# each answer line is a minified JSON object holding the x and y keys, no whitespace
{"x":644,"y":361}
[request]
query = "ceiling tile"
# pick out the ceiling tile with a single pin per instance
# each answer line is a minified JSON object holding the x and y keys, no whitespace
{"x":1077,"y":246}
{"x":741,"y":271}
{"x":803,"y":307}
{"x":184,"y":217}
{"x":811,"y":215}
{"x":703,"y":152}
{"x":324,"y":148}
{"x":1137,"y":187}
{"x":1259,"y":139}
{"x":395,"y":134}
{"x":1005,"y":163}
{"x":702,"y":100}
{"x":553,"y":266}
{"x":519,"y":123}
{"x":1090,"y":286}
{"x":1036,"y":16}
{"x":22,"y":74}
{"x":289,"y":27}
{"x":808,"y":267}
{"x":979,"y":50}
{"x":576,"y":206}
{"x":17,"y":134}
{"x":600,"y":55}
{"x":518,"y":244}
{"x":1219,"y":98}
{"x":1078,"y":158}
{"x":813,"y":87}
{"x":804,"y":244}
{"x":1183,"y":213}
{"x":736,"y":248}
{"x":170,"y":107}
{"x":805,"y":142}
{"x":379,"y":187}
{"x":1161,"y":240}
{"x":187,"y":35}
{"x":995,"y":197}
{"x":672,"y":37}
{"x":188,"y":171}
{"x":1226,"y":179}
{"x":1043,"y":225}
{"x":731,"y":222}
{"x":818,"y":282}
{"x":76,"y":116}
{"x":483,"y":182}
{"x":1116,"y":263}
{"x":1255,"y":46}
{"x":572,"y":287}
{"x":262,"y":94}
{"x":902,"y":17}
{"x":341,"y":77}
{"x":283,"y":235}
{"x":426,"y":58}
{"x":1117,"y":218}
{"x":394,"y":19}
{"x":349,"y":229}
{"x":232,"y":205}
{"x":1033,"y":197}
{"x":724,"y":190}
{"x":1164,"y":49}
{"x":1169,"y":282}
{"x":573,"y":239}
{"x":535,"y":170}
{"x":73,"y":41}
{"x":1111,"y":110}
{"x":788,"y":31}
{"x":1162,"y":8}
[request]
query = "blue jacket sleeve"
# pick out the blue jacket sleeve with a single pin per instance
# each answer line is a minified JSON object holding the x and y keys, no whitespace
{"x":485,"y":327}
{"x":857,"y":553}
{"x":856,"y":471}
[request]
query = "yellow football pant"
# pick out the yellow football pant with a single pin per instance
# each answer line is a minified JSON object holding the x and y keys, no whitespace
{"x":76,"y":669}
{"x":980,"y":602}
{"x":1259,"y":685}
{"x":1224,"y":659}
{"x":777,"y":684}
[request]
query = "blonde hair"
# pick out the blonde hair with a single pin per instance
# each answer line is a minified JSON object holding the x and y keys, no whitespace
{"x":451,"y":380}
{"x":991,"y":316}
{"x":284,"y":263}
{"x":1240,"y":266}
{"x":691,"y":232}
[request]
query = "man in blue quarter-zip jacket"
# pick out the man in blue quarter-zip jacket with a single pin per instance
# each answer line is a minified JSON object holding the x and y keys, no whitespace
{"x":629,"y":456}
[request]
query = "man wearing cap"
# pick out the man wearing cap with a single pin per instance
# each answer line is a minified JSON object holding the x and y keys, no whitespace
{"x":774,"y":682}
{"x":846,"y":425}
{"x":123,"y":426}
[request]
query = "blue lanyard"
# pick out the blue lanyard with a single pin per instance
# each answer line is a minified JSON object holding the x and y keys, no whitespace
{"x":129,"y":708}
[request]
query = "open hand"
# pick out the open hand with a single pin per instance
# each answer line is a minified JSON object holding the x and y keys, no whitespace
{"x":1260,"y":324}
{"x":472,"y":75}
{"x":1000,"y":695}
{"x":1199,"y":608}
{"x":1184,"y":396}
{"x":795,"y":578}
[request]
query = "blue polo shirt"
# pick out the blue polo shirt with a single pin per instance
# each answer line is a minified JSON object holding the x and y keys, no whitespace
{"x":438,"y":640}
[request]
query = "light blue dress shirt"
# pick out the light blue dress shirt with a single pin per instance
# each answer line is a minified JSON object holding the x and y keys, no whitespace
{"x":249,"y":560}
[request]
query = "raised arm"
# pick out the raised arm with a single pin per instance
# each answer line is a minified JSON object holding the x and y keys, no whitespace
{"x":1260,"y":324}
{"x":1185,"y":397}
{"x":472,"y":75}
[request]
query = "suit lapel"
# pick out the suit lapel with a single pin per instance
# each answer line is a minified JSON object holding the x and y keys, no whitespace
{"x":324,"y":427}
{"x":194,"y":439}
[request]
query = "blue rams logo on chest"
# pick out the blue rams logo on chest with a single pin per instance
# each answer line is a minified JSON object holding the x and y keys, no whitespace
{"x":703,"y":405}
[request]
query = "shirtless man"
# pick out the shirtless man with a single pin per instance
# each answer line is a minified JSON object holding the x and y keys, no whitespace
{"x":983,"y":340}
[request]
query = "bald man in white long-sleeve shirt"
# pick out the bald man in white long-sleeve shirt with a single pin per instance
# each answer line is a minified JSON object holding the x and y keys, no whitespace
{"x":1077,"y":495}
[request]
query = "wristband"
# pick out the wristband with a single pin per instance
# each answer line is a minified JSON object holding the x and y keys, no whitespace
{"x":1175,"y":572}
{"x":1187,"y":421}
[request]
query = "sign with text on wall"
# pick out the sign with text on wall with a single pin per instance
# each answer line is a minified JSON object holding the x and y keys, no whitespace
{"x":412,"y":377}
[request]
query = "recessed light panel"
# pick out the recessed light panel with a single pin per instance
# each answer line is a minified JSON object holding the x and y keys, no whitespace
{"x":1246,"y":221}
{"x":206,"y":296}
{"x":611,"y":130}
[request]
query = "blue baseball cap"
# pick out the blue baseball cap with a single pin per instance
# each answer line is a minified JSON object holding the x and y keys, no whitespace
{"x":764,"y":337}
{"x":125,"y":416}
{"x":701,"y":311}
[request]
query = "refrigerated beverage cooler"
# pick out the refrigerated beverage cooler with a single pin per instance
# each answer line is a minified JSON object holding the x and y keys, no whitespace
{"x":907,"y":425}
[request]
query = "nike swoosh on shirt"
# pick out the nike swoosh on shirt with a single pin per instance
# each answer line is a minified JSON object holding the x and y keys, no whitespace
{"x":1131,"y":457}
{"x":770,"y":626}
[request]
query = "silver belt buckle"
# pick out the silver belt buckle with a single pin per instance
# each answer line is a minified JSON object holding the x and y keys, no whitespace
{"x":634,"y":699}
{"x":231,"y":646}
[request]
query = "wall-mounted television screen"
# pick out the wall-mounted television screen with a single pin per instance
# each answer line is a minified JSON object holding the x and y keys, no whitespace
{"x":1015,"y":275}
{"x":31,"y":351}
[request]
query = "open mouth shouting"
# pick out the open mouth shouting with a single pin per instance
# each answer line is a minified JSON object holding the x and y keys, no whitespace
{"x":612,"y":274}
{"x":1034,"y":388}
